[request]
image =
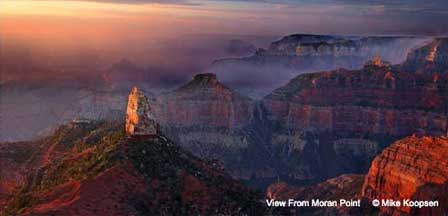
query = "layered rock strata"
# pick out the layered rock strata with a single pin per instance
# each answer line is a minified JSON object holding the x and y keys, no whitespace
{"x":336,"y":122}
{"x":414,"y":168}
{"x":205,"y":117}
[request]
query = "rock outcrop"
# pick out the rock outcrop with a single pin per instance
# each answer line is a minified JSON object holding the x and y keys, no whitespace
{"x":333,"y":45}
{"x":362,"y":102}
{"x":431,"y":58}
{"x":414,"y":168}
{"x":139,"y":118}
{"x":376,"y":62}
{"x":339,"y":120}
{"x":319,"y":126}
{"x":205,"y":117}
{"x":204,"y":101}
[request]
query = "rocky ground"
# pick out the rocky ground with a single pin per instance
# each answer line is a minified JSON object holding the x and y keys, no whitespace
{"x":101,"y":172}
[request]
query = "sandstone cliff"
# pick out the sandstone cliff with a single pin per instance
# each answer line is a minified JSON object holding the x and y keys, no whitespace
{"x":431,"y":58}
{"x":205,"y":117}
{"x":339,"y":46}
{"x":412,"y":168}
{"x":204,"y":101}
{"x":318,"y":126}
{"x":336,"y":122}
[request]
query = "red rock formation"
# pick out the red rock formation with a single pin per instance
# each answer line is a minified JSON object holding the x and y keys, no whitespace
{"x":206,"y":118}
{"x":369,"y":101}
{"x":339,"y":120}
{"x":139,"y":117}
{"x":377,"y":62}
{"x":204,"y":101}
{"x":412,"y":168}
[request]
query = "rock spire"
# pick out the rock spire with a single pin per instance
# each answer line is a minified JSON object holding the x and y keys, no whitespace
{"x":140,"y":120}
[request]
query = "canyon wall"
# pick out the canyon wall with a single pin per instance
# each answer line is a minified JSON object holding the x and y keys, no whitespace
{"x":414,"y":168}
{"x":336,"y":122}
{"x":431,"y":58}
{"x":205,"y":117}
{"x":300,"y":53}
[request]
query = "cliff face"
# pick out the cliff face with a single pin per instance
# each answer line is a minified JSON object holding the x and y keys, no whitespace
{"x":431,"y":58}
{"x":375,"y":101}
{"x":204,"y":101}
{"x":300,"y":53}
{"x":336,"y":46}
{"x":336,"y":122}
{"x":205,"y":117}
{"x":318,"y":126}
{"x":412,"y":168}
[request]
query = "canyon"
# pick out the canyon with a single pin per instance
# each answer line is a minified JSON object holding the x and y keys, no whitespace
{"x":316,"y":136}
{"x":103,"y":96}
{"x":318,"y":126}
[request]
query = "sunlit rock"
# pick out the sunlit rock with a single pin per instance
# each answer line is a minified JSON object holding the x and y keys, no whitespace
{"x":413,"y":168}
{"x":139,"y":118}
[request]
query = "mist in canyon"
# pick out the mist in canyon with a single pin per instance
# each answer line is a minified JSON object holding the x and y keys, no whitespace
{"x":65,"y":59}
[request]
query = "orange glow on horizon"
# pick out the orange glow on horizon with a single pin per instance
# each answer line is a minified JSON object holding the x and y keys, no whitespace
{"x":79,"y":9}
{"x":55,"y":20}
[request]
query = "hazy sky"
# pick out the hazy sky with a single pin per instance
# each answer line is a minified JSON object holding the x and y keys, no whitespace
{"x":53,"y":32}
{"x":237,"y":17}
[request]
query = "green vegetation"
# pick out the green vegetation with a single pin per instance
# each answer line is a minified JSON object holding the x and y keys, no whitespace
{"x":161,"y":159}
{"x":90,"y":150}
{"x":84,"y":165}
{"x":157,"y":158}
{"x":21,"y":200}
